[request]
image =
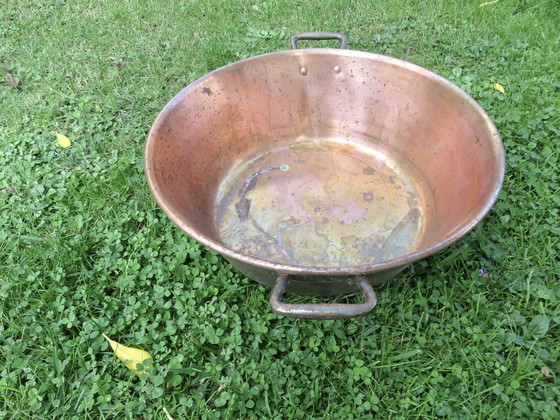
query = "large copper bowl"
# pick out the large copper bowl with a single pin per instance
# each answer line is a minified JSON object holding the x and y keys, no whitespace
{"x":324,"y":171}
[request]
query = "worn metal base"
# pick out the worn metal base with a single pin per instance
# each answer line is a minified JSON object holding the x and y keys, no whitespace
{"x":323,"y":203}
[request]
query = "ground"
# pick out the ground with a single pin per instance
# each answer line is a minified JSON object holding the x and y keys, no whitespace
{"x":471,"y":332}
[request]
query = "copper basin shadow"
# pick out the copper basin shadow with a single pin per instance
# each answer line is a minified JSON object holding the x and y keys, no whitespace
{"x":324,"y":171}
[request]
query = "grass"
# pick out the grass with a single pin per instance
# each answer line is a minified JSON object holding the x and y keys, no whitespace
{"x":472,"y":332}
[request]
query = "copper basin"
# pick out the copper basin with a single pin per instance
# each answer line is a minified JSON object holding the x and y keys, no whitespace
{"x":324,"y":171}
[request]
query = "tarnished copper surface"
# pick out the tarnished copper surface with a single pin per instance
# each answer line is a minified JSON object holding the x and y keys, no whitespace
{"x":324,"y":164}
{"x":322,"y":203}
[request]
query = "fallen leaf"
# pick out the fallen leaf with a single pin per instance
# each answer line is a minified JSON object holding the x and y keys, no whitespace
{"x":132,"y":356}
{"x":63,"y":140}
{"x":10,"y":190}
{"x":488,"y":3}
{"x":546,"y":372}
{"x":499,"y":88}
{"x":12,"y":80}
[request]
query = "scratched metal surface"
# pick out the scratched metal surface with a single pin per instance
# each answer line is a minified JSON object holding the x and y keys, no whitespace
{"x":322,"y":203}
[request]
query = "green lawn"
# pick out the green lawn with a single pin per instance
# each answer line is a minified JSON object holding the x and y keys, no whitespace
{"x":470,"y":333}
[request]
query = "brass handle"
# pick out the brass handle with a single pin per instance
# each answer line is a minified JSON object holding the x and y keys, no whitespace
{"x":322,"y":310}
{"x":319,"y":36}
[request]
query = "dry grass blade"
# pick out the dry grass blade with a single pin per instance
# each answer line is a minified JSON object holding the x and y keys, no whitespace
{"x":167,"y":413}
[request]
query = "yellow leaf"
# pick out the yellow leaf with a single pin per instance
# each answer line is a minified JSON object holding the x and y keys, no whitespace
{"x":130,"y":355}
{"x":488,"y":3}
{"x":63,"y":140}
{"x":499,"y":88}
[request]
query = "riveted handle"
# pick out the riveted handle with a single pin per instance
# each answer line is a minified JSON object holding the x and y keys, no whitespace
{"x":319,"y":36}
{"x":322,"y":310}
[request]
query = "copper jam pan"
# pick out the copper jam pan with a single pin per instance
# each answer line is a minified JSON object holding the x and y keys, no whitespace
{"x":324,"y":171}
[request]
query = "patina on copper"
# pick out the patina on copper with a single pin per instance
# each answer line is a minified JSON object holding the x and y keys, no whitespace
{"x":312,"y":170}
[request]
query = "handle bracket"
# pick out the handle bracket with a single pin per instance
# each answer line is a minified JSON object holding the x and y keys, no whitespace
{"x":322,"y":310}
{"x":319,"y":36}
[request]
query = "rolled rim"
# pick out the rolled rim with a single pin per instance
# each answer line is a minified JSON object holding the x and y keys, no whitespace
{"x":343,"y":270}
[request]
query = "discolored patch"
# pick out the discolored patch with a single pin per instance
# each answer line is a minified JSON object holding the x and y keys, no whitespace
{"x":242,"y":207}
{"x":368,"y":196}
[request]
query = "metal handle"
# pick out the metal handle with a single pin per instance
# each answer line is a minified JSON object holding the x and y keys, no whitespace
{"x":319,"y":36}
{"x":322,"y":310}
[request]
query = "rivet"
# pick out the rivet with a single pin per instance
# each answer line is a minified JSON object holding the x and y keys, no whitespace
{"x":303,"y":71}
{"x":336,"y":69}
